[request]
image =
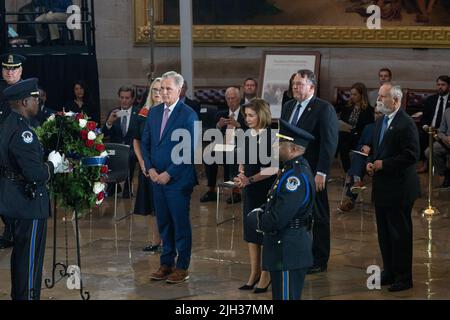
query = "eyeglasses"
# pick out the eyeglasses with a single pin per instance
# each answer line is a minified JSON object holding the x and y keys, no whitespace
{"x":299,"y":84}
{"x":10,"y":69}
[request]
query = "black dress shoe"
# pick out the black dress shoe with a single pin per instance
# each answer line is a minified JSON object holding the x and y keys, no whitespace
{"x":316,"y":269}
{"x":386,"y":280}
{"x":152,"y":248}
{"x":4,"y":243}
{"x":249,"y":287}
{"x":235,"y":198}
{"x":445,"y":184}
{"x":400,"y":286}
{"x":209,"y":197}
{"x":262,"y":290}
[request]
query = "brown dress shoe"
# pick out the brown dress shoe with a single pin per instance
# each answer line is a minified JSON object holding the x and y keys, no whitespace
{"x":162,"y":273}
{"x":346,"y":205}
{"x":178,"y":276}
{"x":358,"y":187}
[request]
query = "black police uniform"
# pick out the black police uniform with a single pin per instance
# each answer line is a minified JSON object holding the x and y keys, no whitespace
{"x":24,"y":198}
{"x":286,"y":222}
{"x":8,"y":61}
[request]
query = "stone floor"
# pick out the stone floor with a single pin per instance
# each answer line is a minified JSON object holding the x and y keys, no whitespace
{"x":115,"y":267}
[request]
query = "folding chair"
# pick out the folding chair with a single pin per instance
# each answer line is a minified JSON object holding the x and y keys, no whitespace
{"x":118,"y":169}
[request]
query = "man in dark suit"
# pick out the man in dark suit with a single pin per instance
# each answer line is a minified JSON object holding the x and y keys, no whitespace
{"x":319,"y":118}
{"x":441,"y":150}
{"x":250,"y":88}
{"x":395,"y":186}
{"x":195,"y":105}
{"x":226,"y":121}
{"x":122,"y":126}
{"x":173,"y":176}
{"x":433,"y":111}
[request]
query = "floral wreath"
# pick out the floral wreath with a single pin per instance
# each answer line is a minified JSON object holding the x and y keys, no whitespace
{"x":81,"y":187}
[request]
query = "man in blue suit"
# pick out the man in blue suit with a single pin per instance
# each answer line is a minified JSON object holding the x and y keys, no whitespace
{"x":173,"y":180}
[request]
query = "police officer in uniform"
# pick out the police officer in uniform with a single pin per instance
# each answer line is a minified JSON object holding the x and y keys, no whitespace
{"x":286,"y":218}
{"x":23,"y":188}
{"x":11,"y":74}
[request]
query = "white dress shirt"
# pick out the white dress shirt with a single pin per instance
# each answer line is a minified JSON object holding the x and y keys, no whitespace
{"x":433,"y":123}
{"x":303,"y":104}
{"x":171,"y":107}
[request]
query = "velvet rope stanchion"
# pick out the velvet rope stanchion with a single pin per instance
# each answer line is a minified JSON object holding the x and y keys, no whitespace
{"x":430,"y":211}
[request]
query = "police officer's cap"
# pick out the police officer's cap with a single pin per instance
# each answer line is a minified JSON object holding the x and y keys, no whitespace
{"x":291,"y":133}
{"x":22,"y":89}
{"x":12,"y":61}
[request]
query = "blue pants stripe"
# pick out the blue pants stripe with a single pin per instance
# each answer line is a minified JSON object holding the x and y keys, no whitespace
{"x":31,"y":260}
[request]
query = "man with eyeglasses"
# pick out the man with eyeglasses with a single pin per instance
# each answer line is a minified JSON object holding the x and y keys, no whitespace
{"x":11,"y":74}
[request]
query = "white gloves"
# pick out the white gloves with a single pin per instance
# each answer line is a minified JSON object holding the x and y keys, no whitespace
{"x":55,"y":158}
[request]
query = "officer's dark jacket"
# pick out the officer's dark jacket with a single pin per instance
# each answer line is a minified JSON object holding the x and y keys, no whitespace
{"x":4,"y":105}
{"x":290,"y":198}
{"x":22,"y":153}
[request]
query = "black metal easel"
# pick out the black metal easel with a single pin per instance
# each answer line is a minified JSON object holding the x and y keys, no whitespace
{"x":50,"y":283}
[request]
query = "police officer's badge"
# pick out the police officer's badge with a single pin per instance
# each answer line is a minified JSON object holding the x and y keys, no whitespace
{"x":292,"y":184}
{"x":27,"y":137}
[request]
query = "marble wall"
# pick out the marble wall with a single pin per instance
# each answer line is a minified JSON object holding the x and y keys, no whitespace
{"x":122,"y":63}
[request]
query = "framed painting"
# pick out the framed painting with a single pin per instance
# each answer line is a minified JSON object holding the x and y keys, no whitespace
{"x":277,"y":68}
{"x":298,"y":23}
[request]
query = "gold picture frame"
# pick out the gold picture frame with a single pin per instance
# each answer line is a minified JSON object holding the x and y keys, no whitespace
{"x":271,"y":35}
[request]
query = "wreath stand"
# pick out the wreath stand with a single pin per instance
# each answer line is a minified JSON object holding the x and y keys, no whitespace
{"x":63,"y":272}
{"x":50,"y":283}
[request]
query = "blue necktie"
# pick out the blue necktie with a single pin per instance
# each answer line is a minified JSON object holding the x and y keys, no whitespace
{"x":296,"y":114}
{"x":383,"y":129}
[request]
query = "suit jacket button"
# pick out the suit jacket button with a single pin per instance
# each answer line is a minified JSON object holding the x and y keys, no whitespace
{"x":40,"y":194}
{"x":279,"y":241}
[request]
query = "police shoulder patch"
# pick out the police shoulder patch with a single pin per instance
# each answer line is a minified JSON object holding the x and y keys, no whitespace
{"x":292,"y":183}
{"x":27,"y":137}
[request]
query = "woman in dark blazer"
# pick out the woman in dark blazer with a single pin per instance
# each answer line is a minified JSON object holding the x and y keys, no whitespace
{"x":357,"y":114}
{"x":256,"y":179}
{"x":81,"y":101}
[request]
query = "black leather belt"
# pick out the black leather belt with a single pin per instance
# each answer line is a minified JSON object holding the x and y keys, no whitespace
{"x":299,"y":223}
{"x":11,"y":175}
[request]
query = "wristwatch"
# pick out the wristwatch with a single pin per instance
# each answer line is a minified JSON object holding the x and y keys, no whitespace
{"x":251,"y":180}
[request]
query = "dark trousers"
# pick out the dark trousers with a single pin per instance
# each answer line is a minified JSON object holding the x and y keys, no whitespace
{"x":287,"y":285}
{"x":394,"y":226}
{"x":8,"y":231}
{"x":358,"y":165}
{"x":27,"y":258}
{"x":424,"y":143}
{"x":321,"y":229}
{"x":347,"y":142}
{"x":172,"y":213}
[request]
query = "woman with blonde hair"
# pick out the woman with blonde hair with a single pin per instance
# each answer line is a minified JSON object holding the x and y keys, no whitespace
{"x":256,"y":178}
{"x":144,"y":198}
